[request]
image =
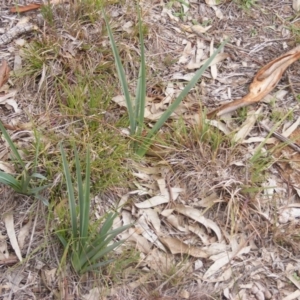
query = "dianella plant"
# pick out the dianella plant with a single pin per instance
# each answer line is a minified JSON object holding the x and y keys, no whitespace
{"x":26,"y":181}
{"x":88,"y":250}
{"x":136,"y":108}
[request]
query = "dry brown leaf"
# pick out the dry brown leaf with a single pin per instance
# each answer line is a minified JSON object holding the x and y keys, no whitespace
{"x":218,"y":12}
{"x":200,"y":29}
{"x":21,"y":9}
{"x":160,"y":261}
{"x":188,"y":51}
{"x":221,"y":126}
{"x":141,"y":243}
{"x":263,"y":83}
{"x":289,"y":272}
{"x":292,"y":128}
{"x":292,"y":296}
{"x":196,"y":215}
{"x":219,"y":57}
{"x":178,"y":247}
{"x":247,"y":126}
{"x":200,"y":231}
{"x":296,"y":5}
{"x":213,"y":68}
{"x":154,"y":201}
{"x":6,"y":167}
{"x":4,"y":72}
{"x":10,"y":229}
{"x":164,"y":196}
{"x":49,"y":278}
{"x":23,"y":234}
{"x":174,"y":221}
{"x":209,"y":201}
{"x":148,"y":233}
{"x":224,"y":259}
{"x":211,"y":2}
{"x":152,"y":217}
{"x":94,"y":294}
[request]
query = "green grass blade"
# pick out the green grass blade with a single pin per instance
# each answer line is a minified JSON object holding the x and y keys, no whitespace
{"x":38,"y":175}
{"x":80,"y":192}
{"x":9,"y":180}
{"x":12,"y":146}
{"x":25,"y":180}
{"x":104,"y":251}
{"x":85,"y":208}
{"x":122,"y":78}
{"x":62,"y":239}
{"x":141,"y":86}
{"x":38,"y":189}
{"x":37,"y":138}
{"x":95,"y":267}
{"x":100,"y":243}
{"x":107,"y":224}
{"x":144,"y":147}
{"x":70,"y":190}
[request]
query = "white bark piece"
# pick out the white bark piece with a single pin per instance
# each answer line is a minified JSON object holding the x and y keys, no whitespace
{"x":10,"y":228}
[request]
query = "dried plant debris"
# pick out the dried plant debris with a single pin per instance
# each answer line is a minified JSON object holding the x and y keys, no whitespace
{"x":264,"y":82}
{"x":216,"y":214}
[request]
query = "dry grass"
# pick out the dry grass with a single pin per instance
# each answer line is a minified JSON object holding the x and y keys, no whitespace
{"x":64,"y":90}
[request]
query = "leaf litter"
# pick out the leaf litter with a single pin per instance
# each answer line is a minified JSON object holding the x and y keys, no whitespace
{"x":167,"y":207}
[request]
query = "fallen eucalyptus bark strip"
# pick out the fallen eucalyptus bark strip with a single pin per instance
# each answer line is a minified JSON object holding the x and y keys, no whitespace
{"x":263,"y":83}
{"x":280,"y":137}
{"x":15,"y":31}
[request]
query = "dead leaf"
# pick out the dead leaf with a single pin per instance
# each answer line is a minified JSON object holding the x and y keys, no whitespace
{"x":4,"y":72}
{"x":154,"y":201}
{"x":188,"y":51}
{"x":148,"y":233}
{"x":160,"y":261}
{"x":292,"y":128}
{"x":21,"y":9}
{"x":213,"y":68}
{"x":94,"y":294}
{"x":247,"y":125}
{"x":24,"y":232}
{"x":224,"y":260}
{"x":221,"y":126}
{"x":175,"y":221}
{"x":211,"y":2}
{"x":200,"y":231}
{"x":296,"y":5}
{"x":6,"y":167}
{"x":200,"y":29}
{"x":263,"y":83}
{"x":196,"y":215}
{"x":178,"y":247}
{"x":141,"y":243}
{"x":49,"y":278}
{"x":218,"y":58}
{"x":10,"y":228}
{"x":152,"y":217}
{"x":160,"y":199}
{"x":218,"y":12}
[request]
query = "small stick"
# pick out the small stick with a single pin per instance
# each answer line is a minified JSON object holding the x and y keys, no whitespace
{"x":291,"y":86}
{"x":281,"y":137}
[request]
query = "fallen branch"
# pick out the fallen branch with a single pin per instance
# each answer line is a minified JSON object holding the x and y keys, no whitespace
{"x":264,"y":82}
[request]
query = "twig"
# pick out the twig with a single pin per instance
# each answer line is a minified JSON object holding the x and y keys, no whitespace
{"x":291,"y":86}
{"x":9,"y":261}
{"x":280,"y":137}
